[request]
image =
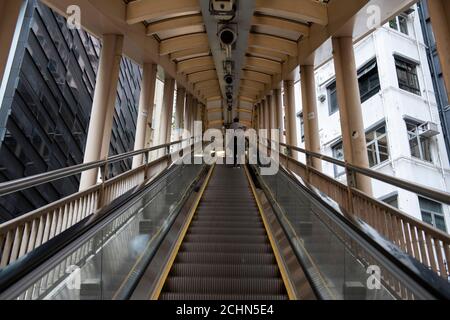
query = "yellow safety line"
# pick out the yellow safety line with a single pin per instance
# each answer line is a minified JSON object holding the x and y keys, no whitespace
{"x":162,"y":280}
{"x":284,"y":275}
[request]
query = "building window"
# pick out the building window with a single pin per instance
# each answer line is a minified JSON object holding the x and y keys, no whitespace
{"x":419,"y":145}
{"x":391,"y":200}
{"x":407,"y":75}
{"x":333,"y":106}
{"x":377,"y":146}
{"x":399,"y":23}
{"x":302,"y":126}
{"x":338,"y":154}
{"x":369,"y":81}
{"x":432,"y":213}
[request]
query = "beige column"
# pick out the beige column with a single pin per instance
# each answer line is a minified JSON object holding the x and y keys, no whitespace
{"x":291,"y":117}
{"x":187,"y":112}
{"x":270,"y":111}
{"x":310,"y":116}
{"x":102,"y":113}
{"x":278,"y":105}
{"x":10,"y":11}
{"x":167,"y":111}
{"x":146,"y":103}
{"x":179,"y":115}
{"x":353,"y":133}
{"x":439,"y":11}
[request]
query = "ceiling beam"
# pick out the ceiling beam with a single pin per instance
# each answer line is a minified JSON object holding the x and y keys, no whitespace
{"x":263,"y":65}
{"x":252,"y":84}
{"x":183,"y":43}
{"x":273,"y":43}
{"x":190,"y":53}
{"x":138,"y":11}
{"x":256,"y":76}
{"x":195,"y":65}
{"x":281,"y":24}
{"x":206,"y":84}
{"x":202,"y":76}
{"x":174,"y":24}
{"x":306,"y":10}
{"x":269,"y":54}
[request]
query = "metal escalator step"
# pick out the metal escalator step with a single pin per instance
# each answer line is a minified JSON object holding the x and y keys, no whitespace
{"x":272,"y":286}
{"x":226,"y":247}
{"x":228,"y":231}
{"x":225,"y":270}
{"x":225,"y":238}
{"x":236,"y":297}
{"x":227,"y":218}
{"x":227,"y":224}
{"x":225,"y":258}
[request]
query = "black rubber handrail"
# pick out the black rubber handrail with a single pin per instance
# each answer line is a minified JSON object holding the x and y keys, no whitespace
{"x":416,"y":271}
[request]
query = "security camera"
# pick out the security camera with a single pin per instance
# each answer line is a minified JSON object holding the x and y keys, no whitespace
{"x":227,"y":36}
{"x":223,"y":9}
{"x":228,"y":79}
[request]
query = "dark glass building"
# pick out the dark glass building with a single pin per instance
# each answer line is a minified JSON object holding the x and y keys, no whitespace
{"x":436,"y":72}
{"x":45,"y":113}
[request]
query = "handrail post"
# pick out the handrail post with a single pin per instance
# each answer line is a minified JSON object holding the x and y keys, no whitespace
{"x":104,"y":174}
{"x":147,"y":161}
{"x":351,"y":183}
{"x":308,"y":167}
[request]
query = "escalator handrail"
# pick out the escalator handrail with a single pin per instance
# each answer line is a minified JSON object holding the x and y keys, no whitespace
{"x":416,"y":271}
{"x":28,"y":263}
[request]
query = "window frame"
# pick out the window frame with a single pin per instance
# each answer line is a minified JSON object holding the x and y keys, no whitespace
{"x":375,"y":142}
{"x":407,"y":67}
{"x":330,"y":92}
{"x":433,"y":214}
{"x":338,"y":170}
{"x":363,"y":73}
{"x":418,"y":138}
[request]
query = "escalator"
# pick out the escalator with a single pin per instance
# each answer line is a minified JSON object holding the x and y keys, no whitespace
{"x":220,"y":233}
{"x":226,"y":253}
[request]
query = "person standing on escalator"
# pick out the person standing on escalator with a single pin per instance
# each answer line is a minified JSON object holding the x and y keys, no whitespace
{"x":236,"y":126}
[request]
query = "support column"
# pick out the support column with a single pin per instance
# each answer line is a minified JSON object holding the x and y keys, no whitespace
{"x":167,"y":111}
{"x":146,"y":103}
{"x":187,"y":112}
{"x":439,"y":11}
{"x":279,"y":121}
{"x":10,"y":11}
{"x":291,"y":117}
{"x":310,"y":116}
{"x":179,"y":116}
{"x":353,"y":133}
{"x":102,"y":113}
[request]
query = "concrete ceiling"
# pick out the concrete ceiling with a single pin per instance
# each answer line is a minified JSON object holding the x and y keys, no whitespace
{"x":276,"y":36}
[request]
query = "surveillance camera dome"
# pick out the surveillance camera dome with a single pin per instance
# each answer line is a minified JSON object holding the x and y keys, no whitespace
{"x":228,"y":79}
{"x":227,"y":36}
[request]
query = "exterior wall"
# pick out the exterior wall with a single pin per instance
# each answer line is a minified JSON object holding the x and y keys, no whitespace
{"x":47,"y":115}
{"x":390,"y":105}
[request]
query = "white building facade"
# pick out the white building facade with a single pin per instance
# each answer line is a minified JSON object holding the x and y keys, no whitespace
{"x":403,"y":129}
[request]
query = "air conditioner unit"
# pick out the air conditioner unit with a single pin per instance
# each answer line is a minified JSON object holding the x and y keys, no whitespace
{"x":428,"y":129}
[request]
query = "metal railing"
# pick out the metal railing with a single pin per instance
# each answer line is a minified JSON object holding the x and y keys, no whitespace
{"x":27,"y":232}
{"x":422,"y":241}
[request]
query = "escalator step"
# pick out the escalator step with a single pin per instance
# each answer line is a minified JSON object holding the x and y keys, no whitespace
{"x":225,"y":270}
{"x":237,"y":297}
{"x":225,"y":238}
{"x":225,"y":285}
{"x":227,"y":218}
{"x":228,"y":231}
{"x":226,"y":247}
{"x":225,"y":258}
{"x":227,"y":224}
